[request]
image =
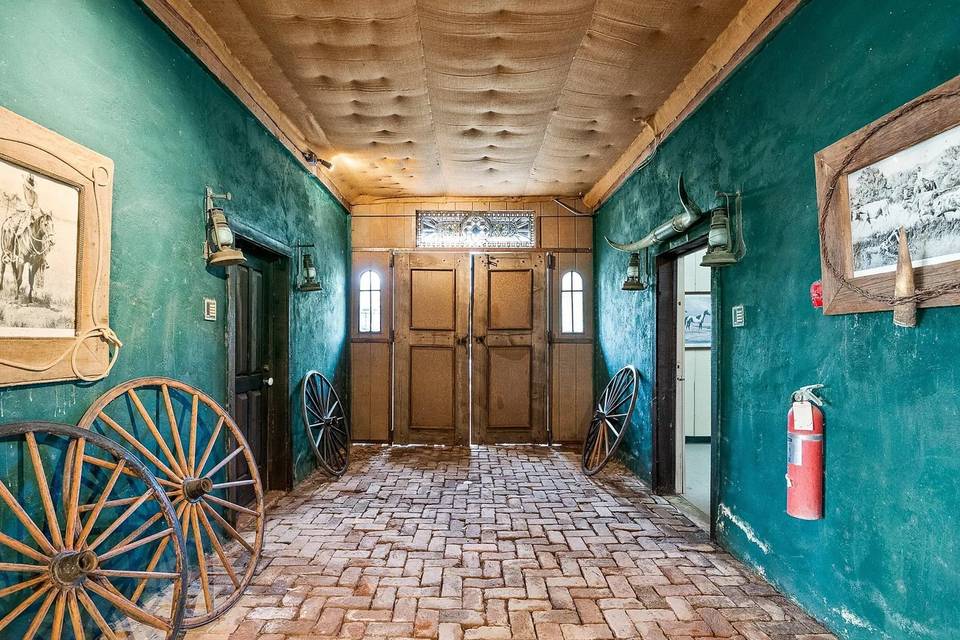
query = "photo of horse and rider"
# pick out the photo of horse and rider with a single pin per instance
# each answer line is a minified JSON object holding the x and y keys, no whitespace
{"x":38,"y":254}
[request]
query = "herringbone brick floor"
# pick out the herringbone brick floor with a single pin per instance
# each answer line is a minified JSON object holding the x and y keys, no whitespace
{"x":490,"y":543}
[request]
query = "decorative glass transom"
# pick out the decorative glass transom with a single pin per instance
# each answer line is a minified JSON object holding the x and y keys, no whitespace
{"x":476,"y":229}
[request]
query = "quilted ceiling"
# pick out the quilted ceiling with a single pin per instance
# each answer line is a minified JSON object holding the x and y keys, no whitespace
{"x":468,"y":97}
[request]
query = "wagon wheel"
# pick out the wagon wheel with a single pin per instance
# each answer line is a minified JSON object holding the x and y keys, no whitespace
{"x":84,"y":565}
{"x":326,"y":423}
{"x":211,"y":465}
{"x":610,"y":420}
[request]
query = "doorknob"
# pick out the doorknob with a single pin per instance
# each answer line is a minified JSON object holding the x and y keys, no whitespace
{"x":268,"y":382}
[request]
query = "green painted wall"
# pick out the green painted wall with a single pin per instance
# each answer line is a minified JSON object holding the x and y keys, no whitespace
{"x":104,"y":73}
{"x":884,"y":562}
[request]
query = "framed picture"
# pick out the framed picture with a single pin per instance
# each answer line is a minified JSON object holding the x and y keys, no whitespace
{"x":55,"y":205}
{"x":697,"y":321}
{"x":901,"y":171}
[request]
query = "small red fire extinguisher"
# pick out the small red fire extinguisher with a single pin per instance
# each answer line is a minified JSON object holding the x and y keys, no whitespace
{"x":805,"y":454}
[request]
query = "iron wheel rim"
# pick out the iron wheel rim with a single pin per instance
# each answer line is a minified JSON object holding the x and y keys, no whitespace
{"x":326,"y":424}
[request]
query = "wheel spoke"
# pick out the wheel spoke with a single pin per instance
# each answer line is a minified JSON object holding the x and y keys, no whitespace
{"x":144,"y":575}
{"x":139,"y":446}
{"x":193,"y":432}
{"x":52,"y":523}
{"x":76,"y":474}
{"x":75,"y":620}
{"x":223,"y":463}
{"x":231,"y":505}
{"x":26,"y":520}
{"x":101,"y":502}
{"x":20,"y":586}
{"x":235,"y":483}
{"x":156,"y":556}
{"x":58,"y":611}
{"x":226,"y":526}
{"x":209,"y":449}
{"x":16,"y":545}
{"x":174,"y":429}
{"x":123,"y":518}
{"x":125,"y":605}
{"x":152,"y":427}
{"x":95,"y":615}
{"x":41,"y":614}
{"x":23,"y":606}
{"x":215,"y":541}
{"x":134,"y":545}
{"x":201,"y":561}
{"x":98,"y":462}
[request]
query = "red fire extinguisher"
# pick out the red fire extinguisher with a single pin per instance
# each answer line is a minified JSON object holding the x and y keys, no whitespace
{"x":805,"y":455}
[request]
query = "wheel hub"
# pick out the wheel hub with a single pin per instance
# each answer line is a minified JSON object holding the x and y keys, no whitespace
{"x":196,"y":488}
{"x":70,"y":568}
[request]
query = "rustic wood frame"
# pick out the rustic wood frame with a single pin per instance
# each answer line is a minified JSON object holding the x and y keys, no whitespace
{"x":914,"y":122}
{"x":86,"y":355}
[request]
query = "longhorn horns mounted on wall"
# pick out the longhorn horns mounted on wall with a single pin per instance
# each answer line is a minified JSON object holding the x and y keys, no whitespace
{"x":676,"y":225}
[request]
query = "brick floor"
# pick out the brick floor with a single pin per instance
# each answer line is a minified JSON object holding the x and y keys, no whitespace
{"x":491,"y":543}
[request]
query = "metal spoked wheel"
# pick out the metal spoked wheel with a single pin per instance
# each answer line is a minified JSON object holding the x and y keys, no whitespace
{"x":211,"y":477}
{"x":84,"y":564}
{"x":610,"y":420}
{"x":326,"y":423}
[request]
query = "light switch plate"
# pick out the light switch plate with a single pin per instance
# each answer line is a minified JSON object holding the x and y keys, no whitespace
{"x":738,"y":316}
{"x":209,"y":309}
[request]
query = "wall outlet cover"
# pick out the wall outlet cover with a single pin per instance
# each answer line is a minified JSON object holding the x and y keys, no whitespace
{"x":209,"y":309}
{"x":738,"y":316}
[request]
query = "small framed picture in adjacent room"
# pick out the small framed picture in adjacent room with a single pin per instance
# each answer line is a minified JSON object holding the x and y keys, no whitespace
{"x":900,"y":172}
{"x":55,"y":207}
{"x":697,"y":321}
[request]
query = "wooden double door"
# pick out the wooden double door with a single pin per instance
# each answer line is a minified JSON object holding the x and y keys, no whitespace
{"x":470,"y":348}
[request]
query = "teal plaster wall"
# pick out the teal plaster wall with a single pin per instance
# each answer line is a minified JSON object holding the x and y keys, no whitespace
{"x":884,"y":562}
{"x":105,"y":74}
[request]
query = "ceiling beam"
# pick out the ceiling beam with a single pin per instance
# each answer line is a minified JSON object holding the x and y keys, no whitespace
{"x":755,"y":21}
{"x":196,"y":34}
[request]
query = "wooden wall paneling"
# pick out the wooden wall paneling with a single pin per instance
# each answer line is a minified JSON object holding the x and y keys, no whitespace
{"x":571,"y":391}
{"x":370,"y":391}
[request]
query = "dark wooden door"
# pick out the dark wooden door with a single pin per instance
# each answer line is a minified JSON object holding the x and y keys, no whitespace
{"x":253,"y":369}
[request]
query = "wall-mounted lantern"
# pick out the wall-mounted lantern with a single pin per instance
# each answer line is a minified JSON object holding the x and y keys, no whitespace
{"x":307,"y":278}
{"x":219,"y":249}
{"x":633,"y":281}
{"x":724,"y":247}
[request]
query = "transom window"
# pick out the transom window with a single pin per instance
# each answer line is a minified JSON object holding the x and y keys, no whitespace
{"x":571,"y":303}
{"x":370,"y":302}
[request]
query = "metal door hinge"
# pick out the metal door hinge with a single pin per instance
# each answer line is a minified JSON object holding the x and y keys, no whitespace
{"x":549,"y":337}
{"x":392,"y":259}
{"x":392,"y":335}
{"x":551,"y":261}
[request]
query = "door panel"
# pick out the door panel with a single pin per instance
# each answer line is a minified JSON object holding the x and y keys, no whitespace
{"x":432,"y":325}
{"x":251,"y":369}
{"x":509,"y":350}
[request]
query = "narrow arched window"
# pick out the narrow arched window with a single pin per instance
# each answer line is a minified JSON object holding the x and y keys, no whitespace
{"x":571,"y":303}
{"x":369,"y":302}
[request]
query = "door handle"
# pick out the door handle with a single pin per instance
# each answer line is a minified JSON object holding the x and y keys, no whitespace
{"x":268,"y":382}
{"x":462,"y":340}
{"x":481,"y":339}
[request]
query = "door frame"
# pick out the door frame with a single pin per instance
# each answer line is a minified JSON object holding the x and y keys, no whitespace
{"x":664,"y":410}
{"x":279,"y":462}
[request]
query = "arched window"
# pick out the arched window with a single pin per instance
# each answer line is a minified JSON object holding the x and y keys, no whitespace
{"x":369,"y":302}
{"x":571,"y":303}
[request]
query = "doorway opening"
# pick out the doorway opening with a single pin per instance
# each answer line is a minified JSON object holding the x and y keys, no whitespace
{"x":684,"y":407}
{"x":258,"y":359}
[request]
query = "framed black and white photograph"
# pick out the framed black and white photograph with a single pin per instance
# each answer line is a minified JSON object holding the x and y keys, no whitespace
{"x":55,"y":213}
{"x":697,"y":321}
{"x":39,"y":220}
{"x":899,"y":171}
{"x":917,"y":188}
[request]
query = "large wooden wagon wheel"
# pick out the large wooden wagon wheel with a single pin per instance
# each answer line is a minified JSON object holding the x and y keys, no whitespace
{"x":199,"y":452}
{"x":610,"y":421}
{"x":326,"y":423}
{"x":78,"y":556}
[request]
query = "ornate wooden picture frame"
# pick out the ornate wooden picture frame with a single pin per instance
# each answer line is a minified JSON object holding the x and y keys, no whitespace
{"x":902,"y":170}
{"x":55,"y":207}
